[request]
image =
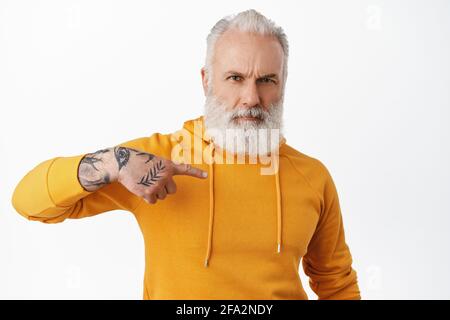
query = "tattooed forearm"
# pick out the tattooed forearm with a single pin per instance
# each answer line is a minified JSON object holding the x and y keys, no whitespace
{"x":153,"y":174}
{"x":105,"y":166}
{"x":122,"y":156}
{"x":92,"y":159}
{"x":95,"y":183}
{"x":92,"y":173}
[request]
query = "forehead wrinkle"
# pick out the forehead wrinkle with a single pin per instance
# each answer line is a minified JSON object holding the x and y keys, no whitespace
{"x":257,"y":75}
{"x":246,"y":63}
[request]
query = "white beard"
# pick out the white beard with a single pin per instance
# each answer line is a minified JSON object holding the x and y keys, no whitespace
{"x":254,"y":138}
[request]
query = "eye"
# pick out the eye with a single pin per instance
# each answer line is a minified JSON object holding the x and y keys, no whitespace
{"x":266,"y":80}
{"x":235,"y":78}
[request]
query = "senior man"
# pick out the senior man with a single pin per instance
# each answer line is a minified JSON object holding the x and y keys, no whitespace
{"x":243,"y":207}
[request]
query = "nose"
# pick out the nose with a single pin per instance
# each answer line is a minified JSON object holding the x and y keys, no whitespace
{"x":250,"y":96}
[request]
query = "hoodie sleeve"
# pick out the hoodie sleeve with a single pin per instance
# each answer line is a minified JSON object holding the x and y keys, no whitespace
{"x":328,"y":261}
{"x":51,"y":191}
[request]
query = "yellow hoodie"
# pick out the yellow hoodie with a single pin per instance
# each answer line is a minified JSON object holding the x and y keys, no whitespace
{"x":236,"y":235}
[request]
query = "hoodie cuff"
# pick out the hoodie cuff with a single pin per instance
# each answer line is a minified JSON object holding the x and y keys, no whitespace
{"x":63,"y":185}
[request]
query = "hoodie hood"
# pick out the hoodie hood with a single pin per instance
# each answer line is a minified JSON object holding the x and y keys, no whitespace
{"x":196,"y":128}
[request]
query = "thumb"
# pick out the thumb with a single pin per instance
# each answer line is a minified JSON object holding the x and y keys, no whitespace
{"x":188,"y":170}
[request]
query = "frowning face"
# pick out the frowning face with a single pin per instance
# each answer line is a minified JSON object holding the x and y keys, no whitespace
{"x":244,"y":89}
{"x":246,"y":76}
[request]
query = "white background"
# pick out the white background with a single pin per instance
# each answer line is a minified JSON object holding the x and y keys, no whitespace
{"x":367,"y":94}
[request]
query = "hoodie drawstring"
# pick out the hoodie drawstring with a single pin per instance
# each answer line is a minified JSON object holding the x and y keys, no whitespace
{"x":211,"y":204}
{"x":277,"y":186}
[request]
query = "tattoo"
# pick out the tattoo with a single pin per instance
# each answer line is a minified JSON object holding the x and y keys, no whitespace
{"x":122,"y":156}
{"x":91,"y":160}
{"x":99,"y":182}
{"x":153,"y":174}
{"x":92,"y":173}
{"x":101,"y":151}
{"x":90,"y":179}
{"x":149,"y":155}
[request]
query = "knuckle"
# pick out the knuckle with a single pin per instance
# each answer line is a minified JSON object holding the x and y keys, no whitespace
{"x":160,"y":193}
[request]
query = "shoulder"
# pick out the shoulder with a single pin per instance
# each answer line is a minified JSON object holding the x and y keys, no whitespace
{"x":313,"y":170}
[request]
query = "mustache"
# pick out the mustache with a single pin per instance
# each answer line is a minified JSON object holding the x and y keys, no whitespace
{"x":254,"y":112}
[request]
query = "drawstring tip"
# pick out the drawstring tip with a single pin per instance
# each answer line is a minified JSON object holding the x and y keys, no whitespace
{"x":206,"y":263}
{"x":279,"y":246}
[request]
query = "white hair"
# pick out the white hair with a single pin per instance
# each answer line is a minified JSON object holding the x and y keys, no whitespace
{"x":253,"y":138}
{"x":246,"y":21}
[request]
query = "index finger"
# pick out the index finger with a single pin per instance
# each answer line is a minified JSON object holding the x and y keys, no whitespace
{"x":188,"y":170}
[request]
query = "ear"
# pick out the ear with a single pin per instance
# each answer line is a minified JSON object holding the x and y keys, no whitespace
{"x":204,"y":80}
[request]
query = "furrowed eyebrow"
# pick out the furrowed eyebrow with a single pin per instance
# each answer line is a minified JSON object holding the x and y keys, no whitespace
{"x":270,"y":75}
{"x":234,"y":73}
